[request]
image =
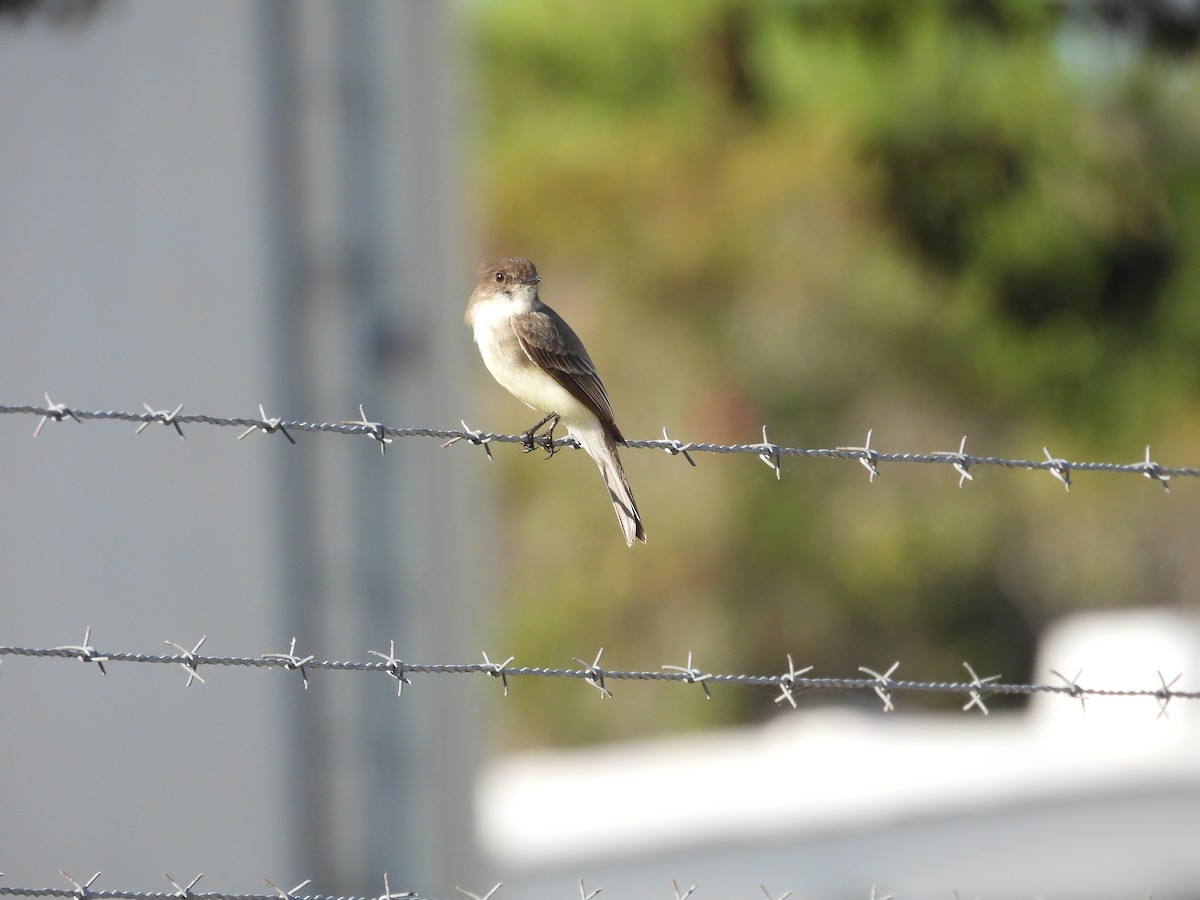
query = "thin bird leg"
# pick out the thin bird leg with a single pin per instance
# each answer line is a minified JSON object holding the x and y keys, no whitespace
{"x":527,"y":437}
{"x":547,"y":441}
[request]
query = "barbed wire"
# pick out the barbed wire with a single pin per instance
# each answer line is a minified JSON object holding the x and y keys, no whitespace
{"x":767,"y":451}
{"x":790,"y":683}
{"x":184,"y":892}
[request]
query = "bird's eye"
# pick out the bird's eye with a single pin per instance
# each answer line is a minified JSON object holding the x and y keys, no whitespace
{"x":500,"y":278}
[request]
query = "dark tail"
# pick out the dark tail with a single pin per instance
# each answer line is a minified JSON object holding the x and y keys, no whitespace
{"x":622,"y":497}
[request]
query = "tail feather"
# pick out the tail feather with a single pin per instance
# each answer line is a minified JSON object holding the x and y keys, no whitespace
{"x":622,"y":500}
{"x":605,"y":456}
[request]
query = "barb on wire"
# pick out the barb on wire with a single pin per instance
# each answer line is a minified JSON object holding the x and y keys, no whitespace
{"x":81,"y":890}
{"x":692,"y":675}
{"x":976,"y":696}
{"x":476,"y":437}
{"x":267,"y":426}
{"x":374,"y":429}
{"x":85,"y":652}
{"x":287,"y":895}
{"x":789,"y":684}
{"x":869,"y":458}
{"x":162,"y":415}
{"x":1154,"y":471}
{"x":498,"y":670}
{"x":769,"y":452}
{"x":960,"y":461}
{"x":395,"y":667}
{"x":676,"y":448}
{"x":189,"y":664}
{"x":184,"y":892}
{"x":595,"y":674}
{"x":291,"y":661}
{"x":883,"y":684}
{"x":1164,"y":696}
{"x":1072,"y":688}
{"x":1059,"y":468}
{"x":54,"y":411}
{"x":389,"y":894}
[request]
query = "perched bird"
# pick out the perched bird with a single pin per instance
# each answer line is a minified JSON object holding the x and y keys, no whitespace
{"x":538,"y":359}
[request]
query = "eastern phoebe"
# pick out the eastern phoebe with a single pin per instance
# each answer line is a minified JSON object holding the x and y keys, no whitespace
{"x":538,"y":359}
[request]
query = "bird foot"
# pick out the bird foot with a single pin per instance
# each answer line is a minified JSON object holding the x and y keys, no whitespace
{"x":530,"y":440}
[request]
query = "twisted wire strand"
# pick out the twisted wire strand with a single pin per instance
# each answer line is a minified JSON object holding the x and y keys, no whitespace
{"x":767,"y":450}
{"x":793,"y":682}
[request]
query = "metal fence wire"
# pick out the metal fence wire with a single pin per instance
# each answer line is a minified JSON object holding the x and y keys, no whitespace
{"x":770,"y":453}
{"x":789,"y":684}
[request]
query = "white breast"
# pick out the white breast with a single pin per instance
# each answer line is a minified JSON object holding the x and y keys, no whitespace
{"x":511,"y":366}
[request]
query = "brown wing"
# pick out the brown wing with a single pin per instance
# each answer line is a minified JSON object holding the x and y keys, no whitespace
{"x":550,"y":342}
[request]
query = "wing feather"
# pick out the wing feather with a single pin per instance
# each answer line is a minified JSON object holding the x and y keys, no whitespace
{"x":552,"y":345}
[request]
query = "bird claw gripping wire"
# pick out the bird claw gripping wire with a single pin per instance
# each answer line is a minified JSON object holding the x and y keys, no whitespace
{"x":530,"y":440}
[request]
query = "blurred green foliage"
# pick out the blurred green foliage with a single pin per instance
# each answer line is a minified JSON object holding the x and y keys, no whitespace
{"x":930,"y":218}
